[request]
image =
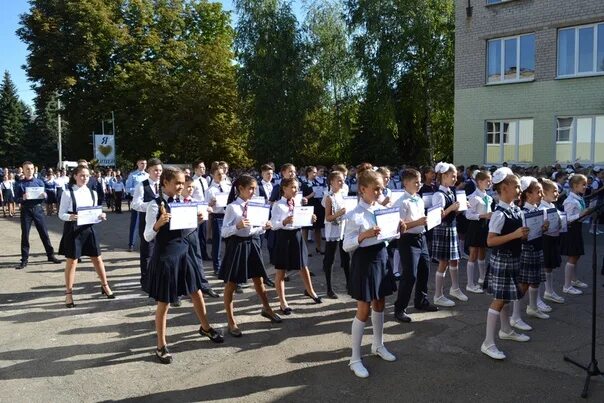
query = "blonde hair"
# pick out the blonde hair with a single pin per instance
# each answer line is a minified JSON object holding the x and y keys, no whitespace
{"x":368,"y":177}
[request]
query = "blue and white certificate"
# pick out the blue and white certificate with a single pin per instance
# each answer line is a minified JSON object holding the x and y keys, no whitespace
{"x":389,"y":221}
{"x":89,"y":215}
{"x":534,"y":221}
{"x":183,"y":216}
{"x":258,"y":214}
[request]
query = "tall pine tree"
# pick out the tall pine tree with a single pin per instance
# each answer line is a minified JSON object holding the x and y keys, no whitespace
{"x":14,"y":121}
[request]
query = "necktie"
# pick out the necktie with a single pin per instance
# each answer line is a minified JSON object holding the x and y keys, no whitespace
{"x":414,"y":199}
{"x":203,"y":188}
{"x":244,"y":210}
{"x":170,"y":199}
{"x":156,"y":188}
{"x":582,"y":203}
{"x":220,"y":188}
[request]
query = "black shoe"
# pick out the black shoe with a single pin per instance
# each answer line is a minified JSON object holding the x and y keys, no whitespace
{"x":286,"y":311}
{"x":21,"y":266}
{"x":332,"y":294}
{"x":53,"y":259}
{"x":239,"y":290}
{"x":69,"y":304}
{"x":273,"y":318}
{"x":211,"y":334}
{"x":319,"y":251}
{"x":103,"y":292}
{"x":286,"y":278}
{"x":163,"y":355}
{"x":402,"y":316}
{"x":130,"y":247}
{"x":426,"y":306}
{"x":176,"y":303}
{"x":311,"y":273}
{"x":79,"y":260}
{"x":211,"y":293}
{"x":269,"y":282}
{"x":317,"y":299}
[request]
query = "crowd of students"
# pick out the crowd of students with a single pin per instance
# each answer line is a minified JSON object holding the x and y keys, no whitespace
{"x":479,"y":209}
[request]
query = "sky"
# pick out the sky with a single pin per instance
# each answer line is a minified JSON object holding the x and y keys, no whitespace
{"x":13,"y":52}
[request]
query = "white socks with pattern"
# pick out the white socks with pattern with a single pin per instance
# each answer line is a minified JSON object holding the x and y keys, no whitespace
{"x":533,"y":293}
{"x":549,"y":282}
{"x":569,"y":274}
{"x":439,"y":280}
{"x":454,"y":277}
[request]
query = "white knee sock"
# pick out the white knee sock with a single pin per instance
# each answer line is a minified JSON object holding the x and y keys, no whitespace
{"x":461,"y":247}
{"x":470,"y":271}
{"x":482,"y":269}
{"x":377,"y":321}
{"x":517,"y":310}
{"x":504,"y":319}
{"x":533,"y":292}
{"x":492,"y":317}
{"x":569,"y":274}
{"x":549,"y":286}
{"x":358,"y":328}
{"x":454,"y":277}
{"x":439,"y":279}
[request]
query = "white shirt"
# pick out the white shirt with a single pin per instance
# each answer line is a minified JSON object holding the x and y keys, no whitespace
{"x":232,"y":216}
{"x":334,"y":230}
{"x":200,"y":186}
{"x":151,"y":218}
{"x":546,"y":206}
{"x":412,"y":209}
{"x":268,"y":189}
{"x":360,"y":219}
{"x":211,"y":194}
{"x":9,"y":185}
{"x":82,"y":197}
{"x":279,"y":212}
{"x":498,"y":219}
{"x":137,"y":199}
{"x":572,"y":206}
{"x":479,"y":203}
{"x":438,"y":199}
{"x":61,"y":181}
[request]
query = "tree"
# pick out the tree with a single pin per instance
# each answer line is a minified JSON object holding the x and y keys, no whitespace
{"x":14,"y":120}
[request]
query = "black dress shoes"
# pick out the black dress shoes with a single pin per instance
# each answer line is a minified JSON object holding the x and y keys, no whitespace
{"x":210,"y":292}
{"x":21,"y":266}
{"x":317,"y":299}
{"x":53,"y":259}
{"x":402,"y":317}
{"x":425,"y":305}
{"x":269,"y":282}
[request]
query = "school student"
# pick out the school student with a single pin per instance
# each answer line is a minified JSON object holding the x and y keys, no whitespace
{"x":80,"y":240}
{"x":118,"y":188}
{"x":243,"y":255}
{"x":505,"y":239}
{"x":413,"y":249}
{"x":170,"y":273}
{"x":370,"y":280}
{"x":313,"y":190}
{"x":199,"y":194}
{"x":32,"y":212}
{"x":132,"y":182}
{"x":445,"y":245}
{"x":8,"y":194}
{"x":478,"y":215}
{"x":219,"y":185}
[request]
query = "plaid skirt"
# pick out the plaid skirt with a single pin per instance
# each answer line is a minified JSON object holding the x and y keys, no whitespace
{"x":551,"y":252}
{"x":445,"y":245}
{"x":501,"y":278}
{"x":531,"y":266}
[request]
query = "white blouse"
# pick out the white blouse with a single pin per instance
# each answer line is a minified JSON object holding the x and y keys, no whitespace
{"x":479,"y":203}
{"x":573,"y":206}
{"x":279,"y":212}
{"x":232,"y":216}
{"x":360,"y":219}
{"x":334,"y":230}
{"x":83,"y":198}
{"x":498,"y":219}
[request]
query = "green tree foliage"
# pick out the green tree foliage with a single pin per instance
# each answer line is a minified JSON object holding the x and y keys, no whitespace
{"x":14,"y":122}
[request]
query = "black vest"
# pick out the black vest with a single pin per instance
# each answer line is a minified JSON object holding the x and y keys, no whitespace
{"x":451,"y":219}
{"x":148,"y":193}
{"x":513,"y":221}
{"x":164,"y":236}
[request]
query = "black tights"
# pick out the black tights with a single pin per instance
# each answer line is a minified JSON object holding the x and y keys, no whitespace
{"x":328,"y":259}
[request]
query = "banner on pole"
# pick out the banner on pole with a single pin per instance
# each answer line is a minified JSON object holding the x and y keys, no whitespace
{"x":104,"y":149}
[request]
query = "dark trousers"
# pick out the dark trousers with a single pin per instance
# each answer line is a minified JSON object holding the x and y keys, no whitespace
{"x":118,"y":202}
{"x":216,"y":240}
{"x":415,"y":261}
{"x":202,"y":231}
{"x":146,"y":250}
{"x":133,"y":222}
{"x":193,"y":241}
{"x":33,"y":214}
{"x":330,"y":254}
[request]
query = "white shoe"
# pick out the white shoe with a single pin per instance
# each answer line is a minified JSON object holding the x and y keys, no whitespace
{"x":543,"y":307}
{"x":456,"y":293}
{"x":476,"y":289}
{"x":492,"y":351}
{"x":553,"y":297}
{"x":578,"y":284}
{"x":520,"y":325}
{"x":359,"y":369}
{"x":465,"y":256}
{"x":383,"y":353}
{"x":536,"y":313}
{"x":443,"y":301}
{"x":513,"y":336}
{"x":571,"y":290}
{"x":480,"y":282}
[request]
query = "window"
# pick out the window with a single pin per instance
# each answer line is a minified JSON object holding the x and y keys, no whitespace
{"x":509,"y":140}
{"x":497,"y":1}
{"x":511,"y":59}
{"x":581,"y":50}
{"x":580,"y":139}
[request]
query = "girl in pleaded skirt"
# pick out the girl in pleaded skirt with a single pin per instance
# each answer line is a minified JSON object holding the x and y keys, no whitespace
{"x":313,"y":190}
{"x":370,"y":280}
{"x":551,"y":241}
{"x":505,"y":235}
{"x":80,"y":240}
{"x":572,"y":240}
{"x":531,"y":258}
{"x":290,"y":249}
{"x":478,"y":215}
{"x":243,"y":254}
{"x":170,"y":273}
{"x":8,"y":194}
{"x":445,"y":247}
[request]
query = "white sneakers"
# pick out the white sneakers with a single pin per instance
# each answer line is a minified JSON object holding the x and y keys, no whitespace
{"x":553,"y":297}
{"x":578,"y":284}
{"x":383,"y":353}
{"x":536,"y":313}
{"x":513,"y":336}
{"x":456,"y":293}
{"x":443,"y":301}
{"x":359,"y":369}
{"x":571,"y":290}
{"x":492,"y":351}
{"x":476,"y":289}
{"x":520,"y":325}
{"x":543,"y":307}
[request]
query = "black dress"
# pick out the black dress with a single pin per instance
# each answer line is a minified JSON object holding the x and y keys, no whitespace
{"x":79,"y":240}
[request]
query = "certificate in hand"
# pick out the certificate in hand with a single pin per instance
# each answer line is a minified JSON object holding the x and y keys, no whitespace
{"x":89,"y":215}
{"x":553,"y":219}
{"x":563,"y":222}
{"x":258,"y":199}
{"x":202,"y":208}
{"x":396,"y":194}
{"x":258,"y":213}
{"x":388,"y":220}
{"x":534,"y":222}
{"x":183,"y":216}
{"x":318,"y":191}
{"x":460,"y":195}
{"x":298,"y":199}
{"x":427,"y":198}
{"x":350,"y":203}
{"x":34,"y":192}
{"x":221,"y":199}
{"x":303,"y":216}
{"x":433,"y":218}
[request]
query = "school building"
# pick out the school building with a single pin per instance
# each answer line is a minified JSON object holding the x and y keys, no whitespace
{"x":529,"y":81}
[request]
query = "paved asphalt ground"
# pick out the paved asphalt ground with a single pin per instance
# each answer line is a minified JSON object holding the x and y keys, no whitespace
{"x":102,"y":350}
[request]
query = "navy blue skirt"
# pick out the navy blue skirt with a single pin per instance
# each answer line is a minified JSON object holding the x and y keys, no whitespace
{"x":551,"y":252}
{"x":290,"y":251}
{"x":477,"y":233}
{"x":78,"y":241}
{"x":571,"y":242}
{"x":242,"y":260}
{"x":370,"y":278}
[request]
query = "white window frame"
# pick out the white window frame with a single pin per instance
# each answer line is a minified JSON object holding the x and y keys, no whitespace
{"x":592,"y":73}
{"x":502,"y":139}
{"x":502,"y":79}
{"x":573,"y":137}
